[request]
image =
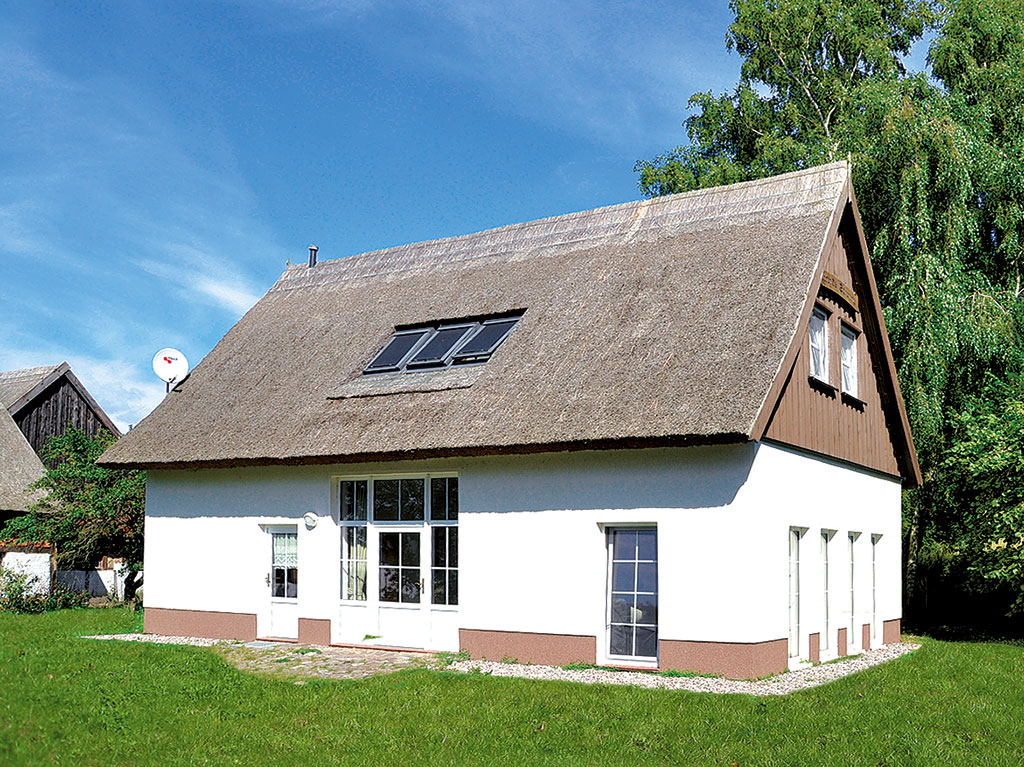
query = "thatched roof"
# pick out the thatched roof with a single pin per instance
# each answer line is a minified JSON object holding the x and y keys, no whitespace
{"x":656,"y":322}
{"x":19,"y":466}
{"x":16,"y":385}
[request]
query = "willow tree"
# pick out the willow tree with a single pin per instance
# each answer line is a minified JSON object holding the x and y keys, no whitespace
{"x":938,"y":164}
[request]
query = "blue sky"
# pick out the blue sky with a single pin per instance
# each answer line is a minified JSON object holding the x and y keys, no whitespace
{"x":160,"y":162}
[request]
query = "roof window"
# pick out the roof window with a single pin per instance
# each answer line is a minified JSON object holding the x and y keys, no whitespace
{"x":443,"y":344}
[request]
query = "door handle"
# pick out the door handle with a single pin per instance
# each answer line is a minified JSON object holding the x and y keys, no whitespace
{"x":268,"y":579}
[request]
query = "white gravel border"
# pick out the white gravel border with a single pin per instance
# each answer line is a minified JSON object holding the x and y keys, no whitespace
{"x":161,"y":639}
{"x":783,"y":684}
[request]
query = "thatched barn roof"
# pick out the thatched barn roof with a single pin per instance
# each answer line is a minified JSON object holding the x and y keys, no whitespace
{"x":15,"y":385}
{"x":19,"y":466}
{"x":657,"y":322}
{"x":22,"y":389}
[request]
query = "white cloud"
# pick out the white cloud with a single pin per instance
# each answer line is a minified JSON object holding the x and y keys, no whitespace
{"x":619,"y":73}
{"x":98,"y":180}
{"x":203,"y":279}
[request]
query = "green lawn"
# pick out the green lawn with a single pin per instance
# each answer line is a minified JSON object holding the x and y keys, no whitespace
{"x":65,"y":700}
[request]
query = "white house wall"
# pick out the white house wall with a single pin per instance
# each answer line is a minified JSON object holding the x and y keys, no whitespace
{"x":532,"y":543}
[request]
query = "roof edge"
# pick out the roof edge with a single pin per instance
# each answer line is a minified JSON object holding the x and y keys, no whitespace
{"x":624,"y":443}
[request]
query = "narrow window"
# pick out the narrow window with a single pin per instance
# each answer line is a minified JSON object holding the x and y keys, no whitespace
{"x":353,"y":563}
{"x":851,"y":637}
{"x":285,"y":565}
{"x":849,"y":359}
{"x":874,"y":585}
{"x":353,"y":500}
{"x":444,"y":516}
{"x":819,"y":344}
{"x":353,"y":539}
{"x":633,"y":593}
{"x":444,"y":499}
{"x":826,"y":632}
{"x":445,"y":565}
{"x":794,"y":592}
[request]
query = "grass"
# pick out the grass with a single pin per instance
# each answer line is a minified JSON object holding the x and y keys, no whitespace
{"x":65,"y":700}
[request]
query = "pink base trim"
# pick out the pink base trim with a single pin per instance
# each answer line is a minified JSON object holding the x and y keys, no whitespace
{"x":735,"y":660}
{"x":199,"y":623}
{"x":542,"y":649}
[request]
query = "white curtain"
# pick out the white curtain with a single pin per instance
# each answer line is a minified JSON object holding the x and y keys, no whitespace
{"x":819,"y":353}
{"x":849,"y":362}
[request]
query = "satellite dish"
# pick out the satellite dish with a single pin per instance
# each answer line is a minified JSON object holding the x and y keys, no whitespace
{"x":170,"y":365}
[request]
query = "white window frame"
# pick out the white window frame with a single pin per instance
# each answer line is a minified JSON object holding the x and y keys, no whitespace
{"x":852,"y":640}
{"x":795,"y":533}
{"x":875,"y":538}
{"x":274,"y":531}
{"x":819,"y":313}
{"x":849,"y":343}
{"x":374,"y":527}
{"x":635,"y":660}
{"x":448,"y":525}
{"x":826,"y":576}
{"x":354,"y":524}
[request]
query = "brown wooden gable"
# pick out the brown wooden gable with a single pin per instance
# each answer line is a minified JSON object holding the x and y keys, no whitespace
{"x":58,"y":400}
{"x":871,"y":429}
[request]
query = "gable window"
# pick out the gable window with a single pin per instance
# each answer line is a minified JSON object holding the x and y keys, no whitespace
{"x":443,"y":344}
{"x":849,"y":360}
{"x":819,"y":344}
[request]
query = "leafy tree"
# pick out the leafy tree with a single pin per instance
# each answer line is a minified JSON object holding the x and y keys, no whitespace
{"x":938,"y":166}
{"x":89,"y":511}
{"x":986,"y":464}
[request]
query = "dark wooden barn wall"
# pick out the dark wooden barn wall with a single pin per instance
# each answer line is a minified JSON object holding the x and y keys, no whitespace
{"x":809,"y":417}
{"x":50,"y":413}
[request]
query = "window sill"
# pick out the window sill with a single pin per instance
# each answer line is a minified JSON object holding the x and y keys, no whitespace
{"x":854,"y":401}
{"x":824,"y":386}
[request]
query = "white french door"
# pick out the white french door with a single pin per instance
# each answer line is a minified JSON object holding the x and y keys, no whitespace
{"x":399,"y":567}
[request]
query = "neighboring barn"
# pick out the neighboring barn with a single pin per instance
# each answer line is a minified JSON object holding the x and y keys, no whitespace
{"x":19,"y":468}
{"x":662,"y":434}
{"x":43,"y":401}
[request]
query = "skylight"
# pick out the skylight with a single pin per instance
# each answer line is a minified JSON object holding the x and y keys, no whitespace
{"x":443,"y":344}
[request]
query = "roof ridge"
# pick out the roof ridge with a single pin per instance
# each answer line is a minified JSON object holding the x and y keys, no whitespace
{"x":19,"y":372}
{"x":651,"y":201}
{"x":611,"y":221}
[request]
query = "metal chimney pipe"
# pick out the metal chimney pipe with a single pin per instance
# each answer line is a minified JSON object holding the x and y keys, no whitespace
{"x":312,"y":255}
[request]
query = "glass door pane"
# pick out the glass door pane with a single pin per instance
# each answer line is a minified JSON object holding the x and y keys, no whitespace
{"x":633,"y":593}
{"x":400,"y":579}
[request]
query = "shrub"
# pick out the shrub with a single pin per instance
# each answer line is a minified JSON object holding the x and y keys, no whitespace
{"x":18,"y":596}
